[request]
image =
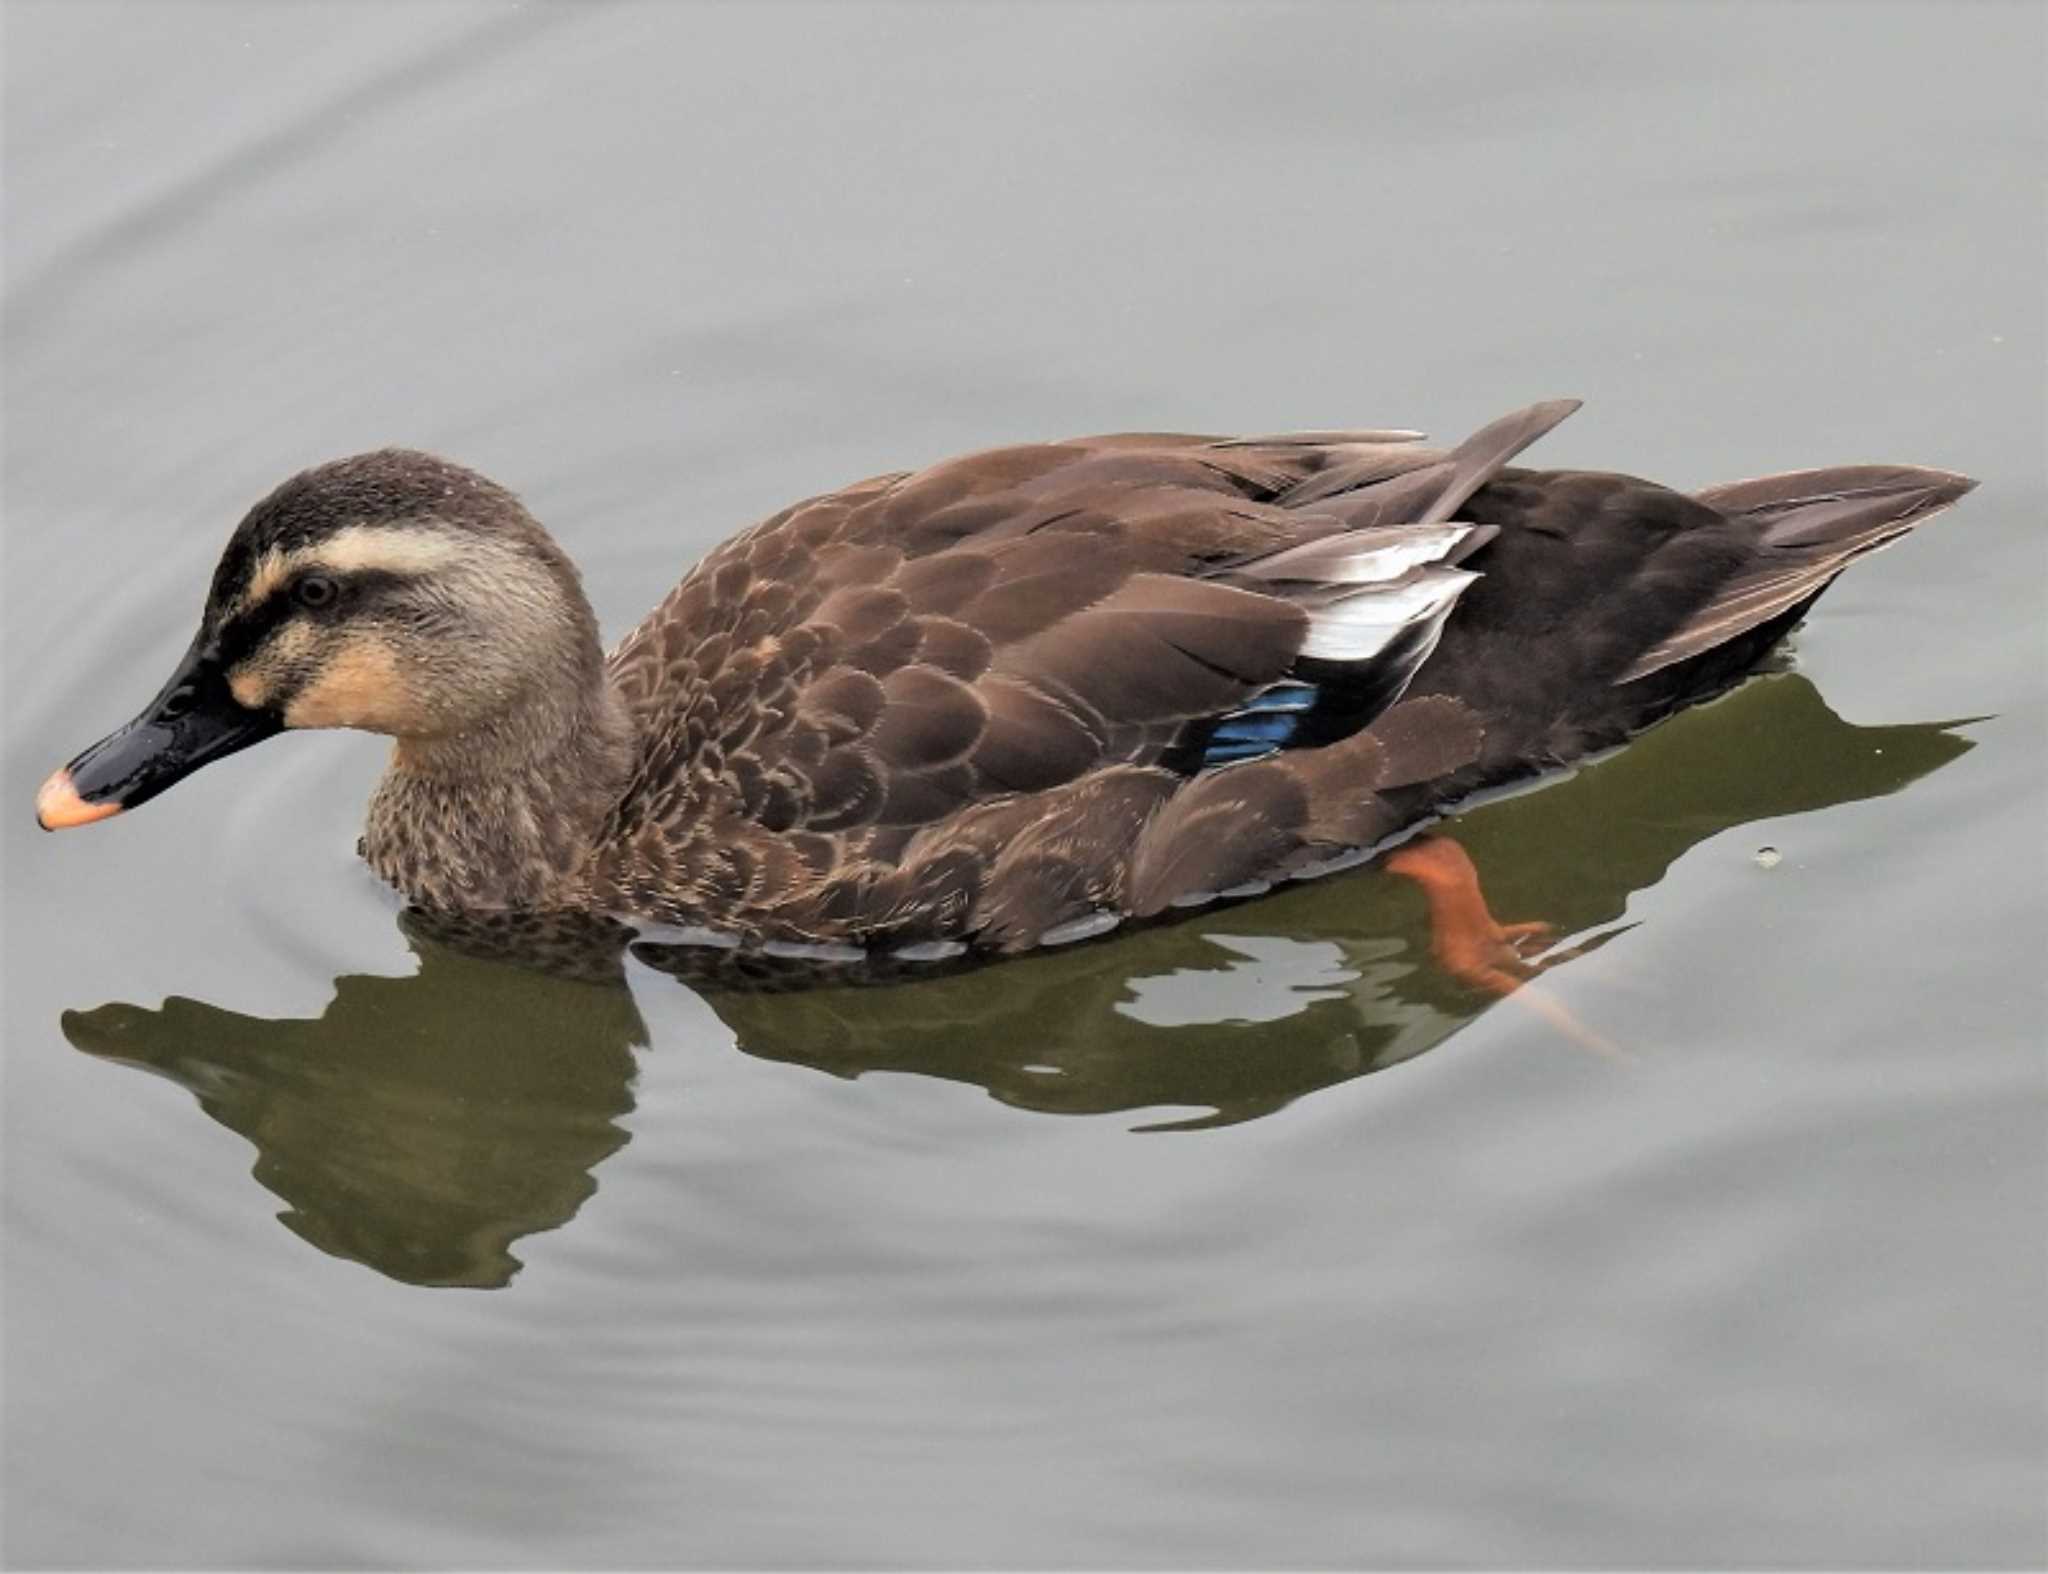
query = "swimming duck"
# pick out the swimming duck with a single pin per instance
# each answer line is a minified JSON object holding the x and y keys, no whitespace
{"x":1006,"y":700}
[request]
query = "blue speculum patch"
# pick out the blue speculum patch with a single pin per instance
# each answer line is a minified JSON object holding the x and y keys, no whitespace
{"x":1266,"y":723}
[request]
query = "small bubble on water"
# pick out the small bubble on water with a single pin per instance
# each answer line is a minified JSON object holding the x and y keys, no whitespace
{"x":1768,"y":857}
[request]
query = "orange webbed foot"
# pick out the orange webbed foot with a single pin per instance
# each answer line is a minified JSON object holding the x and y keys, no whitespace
{"x":1468,"y":942}
{"x":1476,"y":948}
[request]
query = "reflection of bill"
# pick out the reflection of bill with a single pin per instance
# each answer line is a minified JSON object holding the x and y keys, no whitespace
{"x":423,"y":1124}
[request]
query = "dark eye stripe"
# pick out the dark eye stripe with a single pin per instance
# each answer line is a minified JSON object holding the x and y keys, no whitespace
{"x":241,"y":635}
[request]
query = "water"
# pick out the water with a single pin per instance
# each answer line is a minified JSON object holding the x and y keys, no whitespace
{"x":1251,"y":1240}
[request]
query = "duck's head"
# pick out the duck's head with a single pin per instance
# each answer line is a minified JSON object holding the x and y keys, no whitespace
{"x":393,"y":592}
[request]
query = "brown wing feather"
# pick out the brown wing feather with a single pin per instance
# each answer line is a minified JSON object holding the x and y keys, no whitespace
{"x":945,"y":688}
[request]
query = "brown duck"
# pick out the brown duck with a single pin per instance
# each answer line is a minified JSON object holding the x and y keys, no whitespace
{"x":1007,"y":700}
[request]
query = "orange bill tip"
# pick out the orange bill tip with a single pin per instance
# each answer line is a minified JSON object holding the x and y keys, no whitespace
{"x":58,"y":806}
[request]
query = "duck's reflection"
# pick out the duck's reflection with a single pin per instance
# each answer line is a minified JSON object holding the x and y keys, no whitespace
{"x":423,"y":1124}
{"x":420,"y":1125}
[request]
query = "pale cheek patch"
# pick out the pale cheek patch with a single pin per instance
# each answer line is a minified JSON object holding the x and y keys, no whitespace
{"x":356,"y":686}
{"x":250,"y":688}
{"x":255,"y":682}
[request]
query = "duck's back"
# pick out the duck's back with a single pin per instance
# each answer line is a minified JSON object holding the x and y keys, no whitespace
{"x":1032,"y":689}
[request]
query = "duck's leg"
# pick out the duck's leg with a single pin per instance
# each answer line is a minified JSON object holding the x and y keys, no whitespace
{"x":1468,"y":942}
{"x":1476,"y":948}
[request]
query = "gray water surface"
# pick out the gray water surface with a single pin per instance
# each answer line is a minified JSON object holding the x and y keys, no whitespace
{"x":1253,"y":1240}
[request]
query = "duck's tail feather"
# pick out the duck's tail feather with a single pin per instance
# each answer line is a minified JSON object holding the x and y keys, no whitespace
{"x":1816,"y":522}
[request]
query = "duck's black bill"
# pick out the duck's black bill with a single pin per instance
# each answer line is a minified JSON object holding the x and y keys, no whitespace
{"x":194,"y":720}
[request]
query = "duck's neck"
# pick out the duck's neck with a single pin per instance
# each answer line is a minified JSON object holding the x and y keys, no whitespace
{"x":506,"y":814}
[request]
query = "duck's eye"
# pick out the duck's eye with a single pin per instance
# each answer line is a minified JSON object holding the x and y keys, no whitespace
{"x":316,"y":590}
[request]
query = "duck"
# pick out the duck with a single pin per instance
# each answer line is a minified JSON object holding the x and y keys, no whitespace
{"x":1009,"y":700}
